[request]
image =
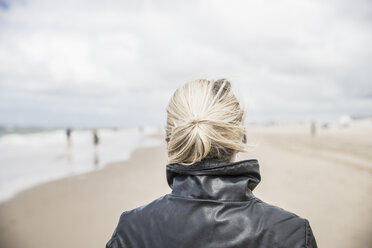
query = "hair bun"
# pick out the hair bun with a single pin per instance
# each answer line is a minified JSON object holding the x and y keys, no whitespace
{"x":221,"y":134}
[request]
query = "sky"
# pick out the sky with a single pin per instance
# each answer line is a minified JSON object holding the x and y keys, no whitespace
{"x":116,"y":63}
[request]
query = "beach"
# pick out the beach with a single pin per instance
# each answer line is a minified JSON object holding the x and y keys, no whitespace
{"x":326,"y":179}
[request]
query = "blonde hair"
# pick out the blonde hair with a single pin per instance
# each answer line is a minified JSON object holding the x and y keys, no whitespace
{"x":204,"y":120}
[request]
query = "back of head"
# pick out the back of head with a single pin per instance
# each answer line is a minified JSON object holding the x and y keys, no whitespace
{"x":204,"y":120}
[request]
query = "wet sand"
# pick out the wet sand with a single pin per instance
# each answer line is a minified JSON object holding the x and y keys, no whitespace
{"x":327,"y":179}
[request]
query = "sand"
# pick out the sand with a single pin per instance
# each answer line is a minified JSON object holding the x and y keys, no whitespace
{"x":326,"y":179}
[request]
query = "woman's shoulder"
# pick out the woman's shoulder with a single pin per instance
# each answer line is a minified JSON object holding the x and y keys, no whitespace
{"x":291,"y":227}
{"x":143,"y":209}
{"x":274,"y":210}
{"x":130,"y":221}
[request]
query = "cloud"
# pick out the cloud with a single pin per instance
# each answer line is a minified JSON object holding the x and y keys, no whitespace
{"x":115,"y":62}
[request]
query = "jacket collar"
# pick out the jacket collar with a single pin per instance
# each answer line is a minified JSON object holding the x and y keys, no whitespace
{"x":213,"y":179}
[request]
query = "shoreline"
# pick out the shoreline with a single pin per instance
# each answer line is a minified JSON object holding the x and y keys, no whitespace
{"x":33,"y":159}
{"x":83,"y":174}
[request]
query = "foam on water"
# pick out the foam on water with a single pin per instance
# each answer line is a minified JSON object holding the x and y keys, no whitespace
{"x":30,"y":159}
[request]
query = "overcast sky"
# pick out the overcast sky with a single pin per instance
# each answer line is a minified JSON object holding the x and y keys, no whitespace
{"x":116,"y":63}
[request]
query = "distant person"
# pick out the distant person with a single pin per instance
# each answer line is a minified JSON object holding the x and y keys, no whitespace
{"x":211,"y":203}
{"x":95,"y":137}
{"x":313,"y":129}
{"x":95,"y":143}
{"x":68,"y":135}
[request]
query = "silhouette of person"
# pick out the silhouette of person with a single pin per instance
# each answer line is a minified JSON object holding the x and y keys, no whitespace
{"x":95,"y":143}
{"x":68,"y":136}
{"x":313,"y":129}
{"x":95,"y":138}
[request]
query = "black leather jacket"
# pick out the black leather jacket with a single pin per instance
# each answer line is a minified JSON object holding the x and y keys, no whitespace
{"x":211,"y":205}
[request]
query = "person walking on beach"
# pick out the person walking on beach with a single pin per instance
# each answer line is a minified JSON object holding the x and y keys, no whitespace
{"x":212,"y":202}
{"x":313,"y":129}
{"x":95,"y":137}
{"x":95,"y":152}
{"x":68,"y":136}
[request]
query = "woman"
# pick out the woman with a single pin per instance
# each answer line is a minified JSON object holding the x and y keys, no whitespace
{"x":211,"y":203}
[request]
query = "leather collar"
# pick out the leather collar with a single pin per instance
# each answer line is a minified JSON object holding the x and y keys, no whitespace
{"x":214,"y":179}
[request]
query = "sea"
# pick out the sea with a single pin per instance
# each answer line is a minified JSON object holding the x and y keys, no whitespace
{"x":31,"y":156}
